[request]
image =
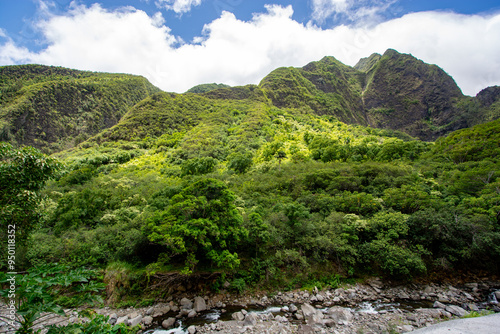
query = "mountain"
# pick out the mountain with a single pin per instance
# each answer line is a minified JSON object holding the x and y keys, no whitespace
{"x":54,"y":108}
{"x":203,"y":88}
{"x":288,"y":183}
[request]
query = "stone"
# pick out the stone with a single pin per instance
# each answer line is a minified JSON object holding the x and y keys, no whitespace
{"x":147,"y":320}
{"x":308,"y":310}
{"x":407,"y":328}
{"x":150,"y":311}
{"x":320,"y":298}
{"x":244,"y":312}
{"x":133,"y":315}
{"x":250,"y":319}
{"x":121,"y":320}
{"x":456,"y":310}
{"x":340,"y":315}
{"x":305,"y":329}
{"x":186,"y":304}
{"x":497,"y":294}
{"x":199,"y":304}
{"x":112,"y":319}
{"x":238,"y":316}
{"x":191,"y":329}
{"x":472,"y":307}
{"x":161,"y":311}
{"x":438,"y":304}
{"x":135,"y":321}
{"x":168,"y":323}
{"x":280,"y":318}
{"x":293,"y":308}
{"x":192,"y":314}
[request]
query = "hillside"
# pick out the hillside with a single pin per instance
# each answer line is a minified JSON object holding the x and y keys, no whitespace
{"x":281,"y":184}
{"x":54,"y":108}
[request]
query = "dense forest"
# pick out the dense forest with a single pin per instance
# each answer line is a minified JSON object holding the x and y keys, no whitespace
{"x":314,"y":174}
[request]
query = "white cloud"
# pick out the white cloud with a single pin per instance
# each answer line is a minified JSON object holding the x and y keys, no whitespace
{"x":239,"y":52}
{"x":178,"y":6}
{"x":364,"y":11}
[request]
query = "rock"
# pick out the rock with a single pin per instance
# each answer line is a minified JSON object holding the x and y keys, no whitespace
{"x":191,"y":329}
{"x":112,"y":319}
{"x":244,"y":312}
{"x":250,"y":319}
{"x":238,"y":316}
{"x":168,"y":323}
{"x":161,"y":311}
{"x":150,"y":311}
{"x":299,"y":316}
{"x":472,"y":307}
{"x":186,"y":304}
{"x":133,"y":315}
{"x":316,"y":319}
{"x":305,"y":329}
{"x":308,"y":310}
{"x":285,"y":309}
{"x":280,"y":318}
{"x":192,"y":314}
{"x":407,"y":328}
{"x":293,"y":308}
{"x":147,"y":320}
{"x":320,"y":298}
{"x":456,"y":310}
{"x":340,"y":315}
{"x":497,"y":294}
{"x":438,"y":304}
{"x":121,"y":320}
{"x":135,"y":321}
{"x":199,"y":304}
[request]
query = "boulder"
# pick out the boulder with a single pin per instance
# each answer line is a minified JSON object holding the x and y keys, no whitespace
{"x":293,"y":308}
{"x":112,"y":319}
{"x":199,"y":304}
{"x":250,"y":319}
{"x":168,"y":323}
{"x":147,"y":320}
{"x":192,"y":314}
{"x":135,"y":321}
{"x":438,"y":304}
{"x":456,"y":310}
{"x":121,"y":320}
{"x":191,"y":329}
{"x":340,"y":315}
{"x":308,"y":310}
{"x":238,"y":316}
{"x":186,"y":304}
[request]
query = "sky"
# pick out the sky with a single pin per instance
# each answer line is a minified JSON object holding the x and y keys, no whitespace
{"x":178,"y":44}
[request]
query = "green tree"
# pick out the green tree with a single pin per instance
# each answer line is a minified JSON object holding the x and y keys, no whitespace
{"x":240,"y":162}
{"x":23,"y":173}
{"x":200,"y":222}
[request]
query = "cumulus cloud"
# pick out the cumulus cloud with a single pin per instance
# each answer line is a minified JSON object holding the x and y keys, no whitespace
{"x":178,"y":6}
{"x":239,"y":52}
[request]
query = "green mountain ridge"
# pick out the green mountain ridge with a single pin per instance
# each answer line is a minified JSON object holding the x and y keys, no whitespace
{"x":54,"y":108}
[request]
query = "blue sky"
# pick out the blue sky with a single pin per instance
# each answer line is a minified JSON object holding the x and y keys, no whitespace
{"x":180,"y":43}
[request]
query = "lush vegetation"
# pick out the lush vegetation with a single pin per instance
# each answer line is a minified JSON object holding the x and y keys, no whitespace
{"x":265,"y":185}
{"x":54,"y":108}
